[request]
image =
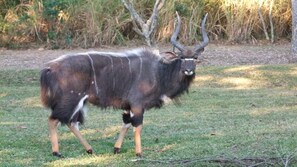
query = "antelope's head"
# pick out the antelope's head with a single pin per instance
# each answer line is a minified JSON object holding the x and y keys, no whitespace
{"x":188,"y":56}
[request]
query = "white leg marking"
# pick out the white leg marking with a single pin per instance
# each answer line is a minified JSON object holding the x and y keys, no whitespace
{"x":79,"y":106}
{"x":131,"y":114}
{"x":76,"y":125}
{"x":127,"y":125}
{"x":85,"y":110}
{"x":166,"y":99}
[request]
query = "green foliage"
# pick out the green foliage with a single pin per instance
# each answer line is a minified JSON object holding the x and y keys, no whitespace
{"x":181,"y":8}
{"x":71,"y":23}
{"x":53,"y":8}
{"x":7,"y":4}
{"x":231,"y":113}
{"x":187,"y":7}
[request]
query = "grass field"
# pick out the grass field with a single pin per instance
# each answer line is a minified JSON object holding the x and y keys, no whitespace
{"x":232,"y":116}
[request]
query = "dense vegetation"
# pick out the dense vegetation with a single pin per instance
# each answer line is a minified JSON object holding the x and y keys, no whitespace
{"x":89,"y":23}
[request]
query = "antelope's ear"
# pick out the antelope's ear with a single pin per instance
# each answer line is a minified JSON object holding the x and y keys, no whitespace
{"x":167,"y":57}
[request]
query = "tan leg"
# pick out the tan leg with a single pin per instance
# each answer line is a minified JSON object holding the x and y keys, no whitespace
{"x":76,"y":132}
{"x":119,"y":142}
{"x":137,"y":140}
{"x":53,"y":124}
{"x":137,"y":120}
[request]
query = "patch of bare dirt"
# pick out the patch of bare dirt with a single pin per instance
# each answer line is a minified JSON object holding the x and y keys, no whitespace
{"x":215,"y":54}
{"x":247,"y":54}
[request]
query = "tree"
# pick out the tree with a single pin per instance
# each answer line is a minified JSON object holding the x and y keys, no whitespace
{"x":144,"y":29}
{"x":294,"y":31}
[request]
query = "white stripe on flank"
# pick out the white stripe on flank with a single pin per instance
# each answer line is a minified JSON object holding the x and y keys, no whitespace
{"x":140,"y":70}
{"x":94,"y":74}
{"x":112,"y":73}
{"x":129,"y":63}
{"x":79,"y":106}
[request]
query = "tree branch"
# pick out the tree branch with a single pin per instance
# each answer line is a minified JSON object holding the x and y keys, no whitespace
{"x":271,"y":21}
{"x":136,"y":29}
{"x":152,"y":22}
{"x":135,"y":16}
{"x":144,"y":29}
{"x":263,"y":23}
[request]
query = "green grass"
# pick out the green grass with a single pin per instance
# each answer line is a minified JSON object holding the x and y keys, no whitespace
{"x":234,"y":114}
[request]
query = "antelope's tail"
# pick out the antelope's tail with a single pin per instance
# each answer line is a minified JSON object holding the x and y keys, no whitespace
{"x":49,"y":88}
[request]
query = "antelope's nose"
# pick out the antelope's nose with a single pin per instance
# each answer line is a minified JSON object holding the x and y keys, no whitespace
{"x":189,"y":72}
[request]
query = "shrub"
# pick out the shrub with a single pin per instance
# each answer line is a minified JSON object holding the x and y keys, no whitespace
{"x":91,"y":23}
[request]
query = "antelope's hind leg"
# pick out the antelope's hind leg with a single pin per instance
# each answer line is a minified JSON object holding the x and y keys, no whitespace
{"x":74,"y":129}
{"x":78,"y":116}
{"x":53,"y":124}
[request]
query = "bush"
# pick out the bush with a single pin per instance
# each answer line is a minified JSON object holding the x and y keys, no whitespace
{"x":91,"y":23}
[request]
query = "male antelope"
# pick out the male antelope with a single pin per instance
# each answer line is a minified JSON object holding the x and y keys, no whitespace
{"x":135,"y":81}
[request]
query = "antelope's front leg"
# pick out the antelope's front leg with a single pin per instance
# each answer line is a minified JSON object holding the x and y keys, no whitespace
{"x":137,"y":120}
{"x":119,"y":142}
{"x":137,"y":140}
{"x":127,"y":124}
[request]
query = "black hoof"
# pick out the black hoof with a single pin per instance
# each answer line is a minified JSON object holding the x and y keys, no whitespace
{"x":90,"y":151}
{"x":116,"y":150}
{"x":138,"y":155}
{"x":57,"y":154}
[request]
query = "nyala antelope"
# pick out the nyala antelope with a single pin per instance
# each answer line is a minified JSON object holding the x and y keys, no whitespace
{"x":135,"y":80}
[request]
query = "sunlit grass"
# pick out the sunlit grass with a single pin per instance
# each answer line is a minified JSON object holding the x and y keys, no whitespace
{"x":230,"y":112}
{"x":32,"y":102}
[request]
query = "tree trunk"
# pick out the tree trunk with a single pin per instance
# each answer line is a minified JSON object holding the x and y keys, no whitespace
{"x":294,"y":32}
